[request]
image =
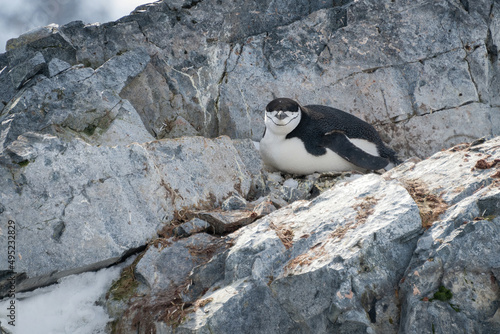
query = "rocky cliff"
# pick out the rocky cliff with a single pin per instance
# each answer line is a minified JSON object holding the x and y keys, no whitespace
{"x":135,"y":136}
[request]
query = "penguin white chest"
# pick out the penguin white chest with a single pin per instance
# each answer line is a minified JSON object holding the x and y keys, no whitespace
{"x":290,"y":155}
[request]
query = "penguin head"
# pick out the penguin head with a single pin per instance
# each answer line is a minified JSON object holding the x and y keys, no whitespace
{"x":282,"y":116}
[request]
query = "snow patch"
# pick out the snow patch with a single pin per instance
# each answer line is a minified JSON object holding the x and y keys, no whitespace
{"x":66,"y":307}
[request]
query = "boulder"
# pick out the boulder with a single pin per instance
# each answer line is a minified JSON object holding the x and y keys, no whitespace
{"x":451,"y":283}
{"x":456,"y":173}
{"x":78,"y":102}
{"x":330,"y":264}
{"x":155,"y":266}
{"x":158,"y":280}
{"x":234,"y":203}
{"x":80,"y":207}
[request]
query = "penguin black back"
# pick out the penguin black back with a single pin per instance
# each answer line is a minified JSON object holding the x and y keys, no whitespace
{"x":317,"y":138}
{"x":318,"y":120}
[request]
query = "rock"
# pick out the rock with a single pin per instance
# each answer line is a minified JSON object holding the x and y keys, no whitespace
{"x":480,"y":119}
{"x":291,"y":194}
{"x":264,"y":208}
{"x":7,"y":90}
{"x":80,"y":207}
{"x":291,"y":183}
{"x":191,"y":227}
{"x":368,"y":59}
{"x":462,"y":263}
{"x":272,"y":198}
{"x":49,"y":40}
{"x":358,"y":258}
{"x":57,"y":66}
{"x":79,"y":102}
{"x":286,"y":189}
{"x":150,"y":96}
{"x":86,"y":213}
{"x":337,"y":239}
{"x":200,"y":173}
{"x":247,"y":298}
{"x":180,"y":127}
{"x":206,"y":277}
{"x":250,"y":155}
{"x":451,"y":174}
{"x":31,"y":36}
{"x":155,"y":266}
{"x":25,"y":71}
{"x":88,"y":179}
{"x":127,"y":127}
{"x":275,"y":177}
{"x":160,"y":284}
{"x":28,"y":55}
{"x":96,"y":43}
{"x":456,"y":254}
{"x":234,"y":202}
{"x":293,"y":190}
{"x":226,"y":221}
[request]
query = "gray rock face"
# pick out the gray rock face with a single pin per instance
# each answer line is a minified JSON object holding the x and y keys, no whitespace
{"x":421,"y":73}
{"x":353,"y":242}
{"x":155,"y":267}
{"x":80,"y":207}
{"x":454,"y":174}
{"x":459,"y":253}
{"x":113,"y":134}
{"x":357,"y":259}
{"x":466,"y":264}
{"x":223,"y":222}
{"x":78,"y":102}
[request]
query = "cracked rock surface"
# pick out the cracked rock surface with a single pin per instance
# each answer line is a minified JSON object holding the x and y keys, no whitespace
{"x":421,"y":72}
{"x":81,"y":207}
{"x":355,"y":259}
{"x":138,"y":136}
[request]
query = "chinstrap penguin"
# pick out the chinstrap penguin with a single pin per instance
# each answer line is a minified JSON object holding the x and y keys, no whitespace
{"x":314,"y":138}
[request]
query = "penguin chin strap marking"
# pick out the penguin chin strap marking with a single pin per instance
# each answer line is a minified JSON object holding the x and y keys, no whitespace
{"x":282,"y":124}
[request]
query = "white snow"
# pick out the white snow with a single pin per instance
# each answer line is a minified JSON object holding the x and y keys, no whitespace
{"x":66,"y":307}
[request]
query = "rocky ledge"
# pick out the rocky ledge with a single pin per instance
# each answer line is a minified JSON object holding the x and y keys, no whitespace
{"x":411,"y":251}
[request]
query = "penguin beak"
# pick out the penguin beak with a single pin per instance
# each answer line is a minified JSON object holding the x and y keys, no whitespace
{"x":281,"y":115}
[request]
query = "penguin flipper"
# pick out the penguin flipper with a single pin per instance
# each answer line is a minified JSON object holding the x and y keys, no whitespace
{"x":340,"y":144}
